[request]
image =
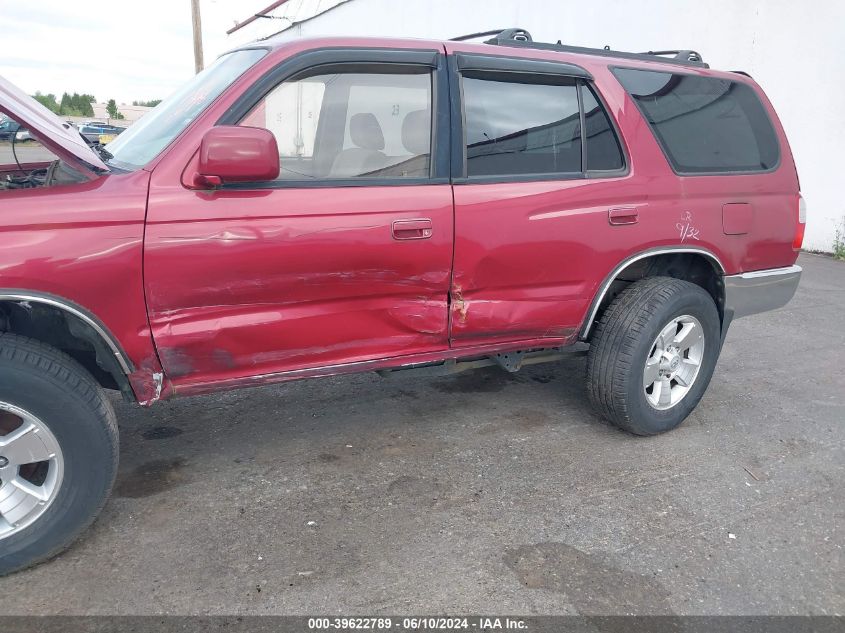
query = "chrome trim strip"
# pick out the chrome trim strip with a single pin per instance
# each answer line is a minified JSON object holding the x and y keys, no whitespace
{"x":75,"y":311}
{"x":760,"y":290}
{"x":594,"y":306}
{"x":768,"y":272}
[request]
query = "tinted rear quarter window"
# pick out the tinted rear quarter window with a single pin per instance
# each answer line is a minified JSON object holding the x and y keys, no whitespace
{"x":704,"y":124}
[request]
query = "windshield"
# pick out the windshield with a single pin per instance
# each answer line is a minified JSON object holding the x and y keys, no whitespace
{"x":142,"y":142}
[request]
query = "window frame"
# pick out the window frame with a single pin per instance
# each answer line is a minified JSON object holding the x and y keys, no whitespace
{"x":502,"y":68}
{"x":659,"y":139}
{"x":351,"y":60}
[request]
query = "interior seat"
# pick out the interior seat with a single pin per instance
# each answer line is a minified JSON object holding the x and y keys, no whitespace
{"x":416,"y":138}
{"x":367,"y":155}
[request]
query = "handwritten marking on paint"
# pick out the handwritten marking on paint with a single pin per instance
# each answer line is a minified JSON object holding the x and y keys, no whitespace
{"x":685,"y":228}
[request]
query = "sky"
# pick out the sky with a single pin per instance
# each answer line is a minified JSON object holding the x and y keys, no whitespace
{"x":122,"y":50}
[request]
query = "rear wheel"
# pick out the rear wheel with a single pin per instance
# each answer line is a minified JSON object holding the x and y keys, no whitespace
{"x":58,"y":451}
{"x":652,"y":354}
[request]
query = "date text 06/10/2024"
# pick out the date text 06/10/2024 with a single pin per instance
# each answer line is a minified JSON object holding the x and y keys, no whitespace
{"x":416,"y":624}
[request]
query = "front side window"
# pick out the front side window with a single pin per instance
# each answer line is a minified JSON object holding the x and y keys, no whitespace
{"x":350,"y":125}
{"x":521,"y":128}
{"x":704,"y":124}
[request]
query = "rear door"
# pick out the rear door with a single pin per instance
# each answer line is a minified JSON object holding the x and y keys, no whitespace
{"x":533,"y":199}
{"x":344,"y":257}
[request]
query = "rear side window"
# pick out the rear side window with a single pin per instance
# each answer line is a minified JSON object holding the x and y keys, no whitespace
{"x":603,"y":150}
{"x":704,"y":124}
{"x":521,"y":128}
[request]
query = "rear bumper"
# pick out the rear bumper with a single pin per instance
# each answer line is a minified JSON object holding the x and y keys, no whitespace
{"x":760,"y":290}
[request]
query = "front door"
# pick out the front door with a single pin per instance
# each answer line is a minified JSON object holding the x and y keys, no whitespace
{"x":346,"y":256}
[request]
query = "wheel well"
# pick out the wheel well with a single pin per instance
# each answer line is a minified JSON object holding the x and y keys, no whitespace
{"x":69,"y":333}
{"x":693,"y":267}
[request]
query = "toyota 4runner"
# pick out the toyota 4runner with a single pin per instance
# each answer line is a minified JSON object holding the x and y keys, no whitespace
{"x":328,"y":206}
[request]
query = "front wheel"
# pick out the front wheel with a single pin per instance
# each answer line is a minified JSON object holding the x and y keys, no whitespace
{"x":652,"y":354}
{"x":58,"y":451}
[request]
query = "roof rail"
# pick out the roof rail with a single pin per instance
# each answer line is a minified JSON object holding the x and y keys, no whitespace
{"x":520,"y":38}
{"x":685,"y":55}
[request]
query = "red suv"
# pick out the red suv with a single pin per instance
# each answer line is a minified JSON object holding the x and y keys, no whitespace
{"x":327,"y":206}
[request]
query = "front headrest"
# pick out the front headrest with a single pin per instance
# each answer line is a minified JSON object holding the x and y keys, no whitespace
{"x":365,"y":131}
{"x":416,"y":132}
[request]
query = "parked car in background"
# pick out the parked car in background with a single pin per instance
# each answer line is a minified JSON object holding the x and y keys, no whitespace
{"x":337,"y":205}
{"x":100,"y":133}
{"x":23,"y":135}
{"x":8,"y":129}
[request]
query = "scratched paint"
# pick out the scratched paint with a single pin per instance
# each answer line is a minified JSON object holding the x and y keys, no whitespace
{"x":316,"y":278}
{"x":83,"y":243}
{"x":150,"y":385}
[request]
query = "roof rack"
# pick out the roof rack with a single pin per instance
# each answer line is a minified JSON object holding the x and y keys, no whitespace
{"x":520,"y":38}
{"x":518,"y":35}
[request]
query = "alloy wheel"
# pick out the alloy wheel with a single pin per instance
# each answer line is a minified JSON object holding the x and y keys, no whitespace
{"x":31,"y":469}
{"x":674,"y":362}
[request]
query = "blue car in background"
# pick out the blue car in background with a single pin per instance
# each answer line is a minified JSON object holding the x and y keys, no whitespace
{"x":99,"y":133}
{"x":8,"y":129}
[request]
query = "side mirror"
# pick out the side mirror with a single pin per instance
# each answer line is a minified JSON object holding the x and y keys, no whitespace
{"x":230,"y":153}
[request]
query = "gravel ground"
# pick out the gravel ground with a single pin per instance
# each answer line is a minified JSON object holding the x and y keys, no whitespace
{"x":482,"y":493}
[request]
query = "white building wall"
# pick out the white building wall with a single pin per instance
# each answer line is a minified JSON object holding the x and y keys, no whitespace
{"x":794,"y":50}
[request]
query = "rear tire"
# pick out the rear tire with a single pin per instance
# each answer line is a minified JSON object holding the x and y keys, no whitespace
{"x":51,"y":411}
{"x":640,"y":339}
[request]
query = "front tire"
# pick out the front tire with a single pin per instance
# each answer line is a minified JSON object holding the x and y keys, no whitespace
{"x":652,"y":354}
{"x":58,"y":451}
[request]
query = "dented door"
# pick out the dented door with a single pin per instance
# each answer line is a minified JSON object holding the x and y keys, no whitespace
{"x":249,"y":283}
{"x":527,"y":257}
{"x":533,"y":207}
{"x":256,"y":280}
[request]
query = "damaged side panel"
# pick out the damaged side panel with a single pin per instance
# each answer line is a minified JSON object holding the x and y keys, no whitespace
{"x":77,"y":248}
{"x":149,"y":386}
{"x":522,"y":266}
{"x":529,"y":257}
{"x":241,"y":283}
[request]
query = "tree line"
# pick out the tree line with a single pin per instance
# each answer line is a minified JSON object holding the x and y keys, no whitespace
{"x":70,"y":104}
{"x":80,"y":104}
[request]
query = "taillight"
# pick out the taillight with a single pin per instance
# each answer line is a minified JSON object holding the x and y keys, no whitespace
{"x":801,"y":224}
